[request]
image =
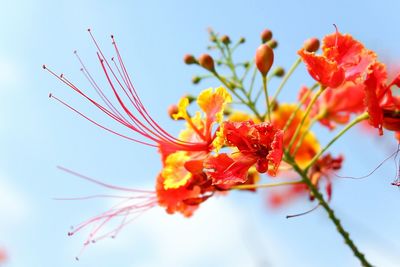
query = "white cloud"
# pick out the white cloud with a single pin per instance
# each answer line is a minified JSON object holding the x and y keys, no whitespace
{"x":218,"y":234}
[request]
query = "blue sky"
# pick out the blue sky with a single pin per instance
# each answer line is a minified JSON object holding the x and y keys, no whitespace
{"x":37,"y":134}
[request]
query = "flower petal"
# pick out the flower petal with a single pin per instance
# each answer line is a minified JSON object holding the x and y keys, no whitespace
{"x":213,"y":103}
{"x":325,"y":71}
{"x":224,"y":170}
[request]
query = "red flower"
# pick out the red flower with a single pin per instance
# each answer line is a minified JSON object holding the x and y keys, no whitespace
{"x":257,"y":144}
{"x":343,"y":59}
{"x":335,"y":106}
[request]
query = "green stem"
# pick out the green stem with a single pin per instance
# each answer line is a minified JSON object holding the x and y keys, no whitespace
{"x":302,"y":100}
{"x":296,"y":133}
{"x":346,"y":236}
{"x":305,"y":133}
{"x":286,"y":77}
{"x":255,"y":186}
{"x":264,"y":79}
{"x":249,"y":104}
{"x":253,"y":78}
{"x":358,"y":119}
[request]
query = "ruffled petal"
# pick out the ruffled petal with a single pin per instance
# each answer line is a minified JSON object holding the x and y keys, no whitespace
{"x":326,"y":72}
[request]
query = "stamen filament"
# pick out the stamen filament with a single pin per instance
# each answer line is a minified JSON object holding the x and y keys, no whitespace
{"x":255,"y":186}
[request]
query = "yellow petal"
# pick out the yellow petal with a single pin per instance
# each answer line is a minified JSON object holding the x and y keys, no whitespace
{"x":213,"y":103}
{"x":182,"y":109}
{"x":190,"y":135}
{"x":174,"y":173}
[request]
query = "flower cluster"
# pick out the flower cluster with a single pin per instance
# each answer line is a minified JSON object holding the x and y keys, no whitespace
{"x":222,"y":148}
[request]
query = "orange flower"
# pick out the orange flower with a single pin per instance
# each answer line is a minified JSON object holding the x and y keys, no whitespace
{"x":343,"y":59}
{"x":310,"y":146}
{"x":181,"y":186}
{"x":182,"y":180}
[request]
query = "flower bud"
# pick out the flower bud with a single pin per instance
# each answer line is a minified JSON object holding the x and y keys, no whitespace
{"x":225,"y":39}
{"x":266,"y":35}
{"x":207,"y":62}
{"x":196,"y":79}
{"x":173,"y":109}
{"x":272,"y":43}
{"x":279,"y":72}
{"x":189,"y":59}
{"x":274,"y":105}
{"x":227,"y":111}
{"x":191,"y":98}
{"x":213,"y":38}
{"x":242,"y":40}
{"x":264,"y":58}
{"x":311,"y":45}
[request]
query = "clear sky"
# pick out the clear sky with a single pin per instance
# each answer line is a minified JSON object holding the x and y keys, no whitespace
{"x":37,"y":134}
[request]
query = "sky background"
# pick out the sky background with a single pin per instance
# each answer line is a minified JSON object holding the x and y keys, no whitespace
{"x":37,"y":134}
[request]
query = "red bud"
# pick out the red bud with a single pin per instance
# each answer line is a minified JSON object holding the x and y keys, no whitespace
{"x":264,"y":58}
{"x":207,"y":62}
{"x":225,"y":39}
{"x":189,"y":59}
{"x":311,"y":45}
{"x":173,"y":109}
{"x":266,"y":35}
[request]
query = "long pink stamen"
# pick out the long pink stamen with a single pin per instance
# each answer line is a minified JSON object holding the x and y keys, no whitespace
{"x":147,"y":127}
{"x":128,"y":209}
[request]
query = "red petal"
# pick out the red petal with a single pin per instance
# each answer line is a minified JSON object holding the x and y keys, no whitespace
{"x":323,"y":70}
{"x":225,"y":170}
{"x":194,"y":166}
{"x":275,"y":154}
{"x":374,"y":85}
